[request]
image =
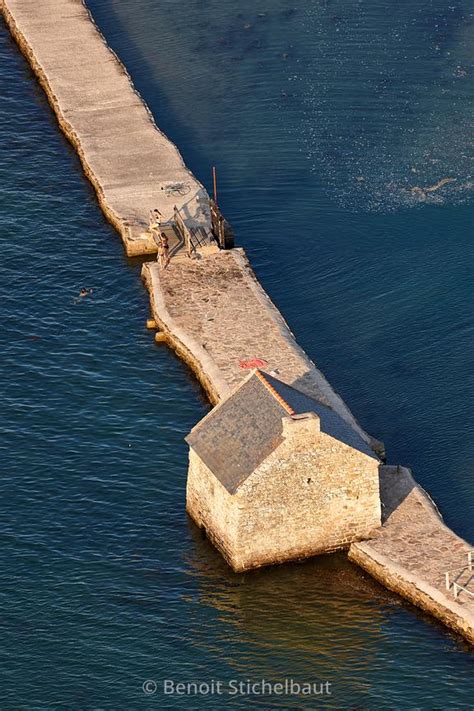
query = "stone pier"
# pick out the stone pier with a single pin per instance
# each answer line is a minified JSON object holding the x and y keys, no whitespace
{"x":215,"y":314}
{"x":211,"y":309}
{"x":413,"y":550}
{"x":132,"y":165}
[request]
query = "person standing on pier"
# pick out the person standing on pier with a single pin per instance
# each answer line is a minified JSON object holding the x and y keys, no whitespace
{"x":160,"y":237}
{"x":163,"y":251}
{"x":155,"y":222}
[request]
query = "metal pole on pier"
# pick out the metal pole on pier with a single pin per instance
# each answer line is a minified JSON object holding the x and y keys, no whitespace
{"x":214,"y":181}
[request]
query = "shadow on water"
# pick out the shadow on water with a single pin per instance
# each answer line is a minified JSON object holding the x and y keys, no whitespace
{"x":157,"y":98}
{"x":326,"y":593}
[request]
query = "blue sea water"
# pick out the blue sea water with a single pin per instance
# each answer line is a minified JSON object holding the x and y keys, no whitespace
{"x":321,"y":117}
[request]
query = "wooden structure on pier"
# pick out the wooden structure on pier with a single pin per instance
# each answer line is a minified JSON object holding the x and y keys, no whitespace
{"x":194,"y":238}
{"x":220,"y":227}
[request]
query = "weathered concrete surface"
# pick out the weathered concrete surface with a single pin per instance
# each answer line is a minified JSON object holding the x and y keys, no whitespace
{"x":414,"y":549}
{"x":214,"y":310}
{"x":130,"y":163}
{"x":226,"y":316}
{"x":215,"y":314}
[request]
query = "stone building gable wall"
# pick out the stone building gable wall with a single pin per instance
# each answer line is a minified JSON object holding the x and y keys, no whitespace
{"x":212,"y":507}
{"x":305,"y":500}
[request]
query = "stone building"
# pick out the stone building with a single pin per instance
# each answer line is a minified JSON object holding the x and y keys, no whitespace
{"x":276,"y":476}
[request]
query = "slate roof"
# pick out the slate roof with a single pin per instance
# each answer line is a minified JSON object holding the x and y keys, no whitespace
{"x":240,"y":433}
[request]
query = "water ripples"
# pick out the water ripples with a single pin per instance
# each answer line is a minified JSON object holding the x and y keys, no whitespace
{"x":104,"y":581}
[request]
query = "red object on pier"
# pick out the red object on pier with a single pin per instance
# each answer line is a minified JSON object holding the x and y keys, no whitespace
{"x":253,"y":363}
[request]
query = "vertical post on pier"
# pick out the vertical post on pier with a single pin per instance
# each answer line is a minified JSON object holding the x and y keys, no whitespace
{"x":469,"y":560}
{"x":447,"y":581}
{"x":214,"y":182}
{"x":456,"y":591}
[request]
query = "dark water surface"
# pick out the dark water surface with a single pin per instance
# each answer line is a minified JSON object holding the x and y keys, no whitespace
{"x":321,"y":118}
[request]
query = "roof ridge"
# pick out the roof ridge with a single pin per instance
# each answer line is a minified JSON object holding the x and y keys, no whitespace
{"x":261,"y":376}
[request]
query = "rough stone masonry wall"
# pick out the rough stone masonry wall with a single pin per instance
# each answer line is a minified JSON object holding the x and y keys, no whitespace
{"x":414,"y":549}
{"x":212,"y":508}
{"x":313,"y":495}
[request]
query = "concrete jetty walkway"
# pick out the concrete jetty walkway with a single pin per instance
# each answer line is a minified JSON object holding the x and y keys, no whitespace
{"x":211,"y":308}
{"x":134,"y":168}
{"x":131,"y":164}
{"x":216,"y":315}
{"x":414,"y":550}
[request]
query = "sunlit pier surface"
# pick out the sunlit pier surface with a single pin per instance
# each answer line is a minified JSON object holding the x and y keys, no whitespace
{"x":132,"y":165}
{"x":415,"y":554}
{"x":207,"y":304}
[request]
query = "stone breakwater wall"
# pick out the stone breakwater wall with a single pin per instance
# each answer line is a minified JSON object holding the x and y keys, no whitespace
{"x":212,"y":310}
{"x":215,"y":314}
{"x":132,"y":165}
{"x":412,"y":551}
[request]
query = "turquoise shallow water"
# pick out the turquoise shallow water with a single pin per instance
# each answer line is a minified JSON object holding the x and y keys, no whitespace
{"x":320,"y":119}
